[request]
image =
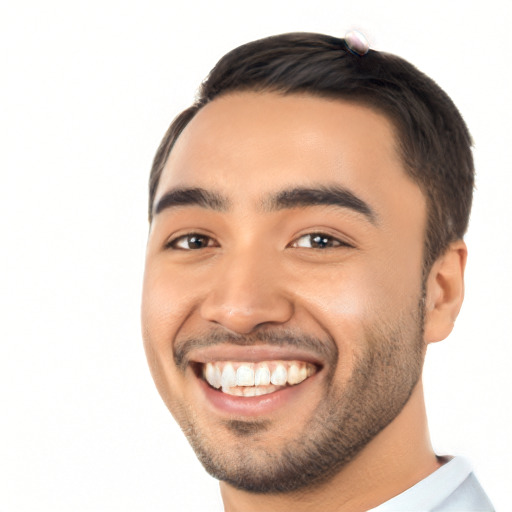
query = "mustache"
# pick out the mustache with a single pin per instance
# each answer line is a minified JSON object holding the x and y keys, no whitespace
{"x":325,"y":348}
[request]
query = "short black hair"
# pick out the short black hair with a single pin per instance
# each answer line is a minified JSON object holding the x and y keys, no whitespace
{"x":432,"y":138}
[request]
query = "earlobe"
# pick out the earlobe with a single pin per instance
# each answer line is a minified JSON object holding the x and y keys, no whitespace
{"x":445,"y":292}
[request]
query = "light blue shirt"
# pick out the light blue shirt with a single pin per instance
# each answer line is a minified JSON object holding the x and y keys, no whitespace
{"x":453,"y":487}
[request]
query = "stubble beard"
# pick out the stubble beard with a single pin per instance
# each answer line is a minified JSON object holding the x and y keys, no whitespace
{"x":346,"y":419}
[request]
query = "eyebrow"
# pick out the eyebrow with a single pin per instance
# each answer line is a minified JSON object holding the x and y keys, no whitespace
{"x":332,"y":195}
{"x":191,"y":197}
{"x":297,"y":197}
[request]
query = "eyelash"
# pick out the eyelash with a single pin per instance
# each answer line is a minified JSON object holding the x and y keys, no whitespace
{"x":330,"y":242}
{"x":173,"y":244}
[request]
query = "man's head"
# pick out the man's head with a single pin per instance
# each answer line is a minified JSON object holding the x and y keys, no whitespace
{"x":431,"y":136}
{"x":288,"y":295}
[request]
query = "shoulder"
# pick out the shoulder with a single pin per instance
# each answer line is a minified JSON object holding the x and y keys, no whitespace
{"x":453,"y":487}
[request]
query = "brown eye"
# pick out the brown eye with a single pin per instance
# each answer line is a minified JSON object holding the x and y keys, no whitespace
{"x":191,"y":242}
{"x":317,"y":241}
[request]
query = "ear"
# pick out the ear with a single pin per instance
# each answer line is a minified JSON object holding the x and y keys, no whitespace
{"x":445,"y":292}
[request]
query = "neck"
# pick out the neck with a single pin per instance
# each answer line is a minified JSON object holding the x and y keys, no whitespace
{"x":397,"y":458}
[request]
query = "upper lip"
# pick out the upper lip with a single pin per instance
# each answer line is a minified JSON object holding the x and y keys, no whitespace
{"x":253,"y":353}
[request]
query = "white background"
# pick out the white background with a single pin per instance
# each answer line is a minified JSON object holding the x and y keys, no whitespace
{"x":87,"y":91}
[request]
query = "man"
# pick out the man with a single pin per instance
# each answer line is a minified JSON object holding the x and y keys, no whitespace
{"x":307,"y":216}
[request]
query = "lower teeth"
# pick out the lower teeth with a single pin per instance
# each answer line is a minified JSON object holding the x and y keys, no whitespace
{"x":251,"y":390}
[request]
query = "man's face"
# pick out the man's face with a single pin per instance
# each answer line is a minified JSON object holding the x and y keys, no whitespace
{"x":282,"y":304}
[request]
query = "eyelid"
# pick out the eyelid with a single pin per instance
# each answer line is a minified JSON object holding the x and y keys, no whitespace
{"x":340,"y":241}
{"x":174,"y":239}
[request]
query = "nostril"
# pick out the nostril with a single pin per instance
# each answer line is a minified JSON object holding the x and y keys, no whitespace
{"x":247,"y":313}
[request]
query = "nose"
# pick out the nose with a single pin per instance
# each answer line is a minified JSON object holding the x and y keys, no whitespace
{"x":247,"y":293}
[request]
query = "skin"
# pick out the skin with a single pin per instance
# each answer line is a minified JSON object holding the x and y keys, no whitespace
{"x":258,"y":272}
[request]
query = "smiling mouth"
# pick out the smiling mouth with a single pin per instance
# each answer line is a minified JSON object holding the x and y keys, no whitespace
{"x":255,"y":379}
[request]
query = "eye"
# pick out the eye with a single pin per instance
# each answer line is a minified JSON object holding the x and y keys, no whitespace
{"x":191,"y":241}
{"x":318,"y":241}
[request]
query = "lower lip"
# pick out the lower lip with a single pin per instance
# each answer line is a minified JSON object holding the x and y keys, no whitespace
{"x":254,"y":405}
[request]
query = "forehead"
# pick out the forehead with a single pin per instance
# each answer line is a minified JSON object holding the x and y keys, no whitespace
{"x":247,"y":144}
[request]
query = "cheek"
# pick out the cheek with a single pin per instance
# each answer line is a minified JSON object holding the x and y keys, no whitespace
{"x":341,"y":302}
{"x":347,"y":299}
{"x":167,"y":298}
{"x":339,"y":292}
{"x":162,"y":312}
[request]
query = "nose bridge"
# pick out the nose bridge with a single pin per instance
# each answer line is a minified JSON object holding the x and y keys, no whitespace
{"x":247,"y":291}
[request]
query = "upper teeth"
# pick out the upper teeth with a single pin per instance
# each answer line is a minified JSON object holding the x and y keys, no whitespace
{"x":226,"y":374}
